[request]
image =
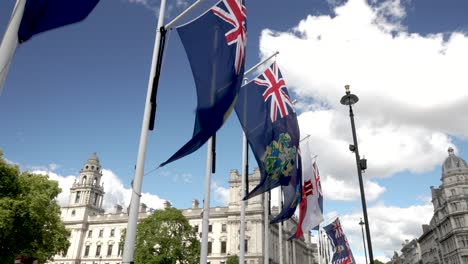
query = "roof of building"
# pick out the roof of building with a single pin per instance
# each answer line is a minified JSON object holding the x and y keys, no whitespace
{"x":453,"y":162}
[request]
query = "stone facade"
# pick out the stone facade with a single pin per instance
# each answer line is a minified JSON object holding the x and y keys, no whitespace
{"x":411,"y":252}
{"x":445,"y":239}
{"x":95,"y":234}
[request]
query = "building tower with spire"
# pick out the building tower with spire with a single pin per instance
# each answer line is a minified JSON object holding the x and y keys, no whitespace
{"x":445,"y":239}
{"x":87,"y":193}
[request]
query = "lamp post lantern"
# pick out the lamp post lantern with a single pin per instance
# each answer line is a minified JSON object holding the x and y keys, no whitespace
{"x":349,"y":99}
{"x":361,"y":223}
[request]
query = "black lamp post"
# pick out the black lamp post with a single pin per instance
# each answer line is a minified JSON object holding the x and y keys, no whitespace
{"x":361,"y":223}
{"x":350,"y":99}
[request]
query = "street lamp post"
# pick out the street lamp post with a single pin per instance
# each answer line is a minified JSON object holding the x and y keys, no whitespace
{"x":361,"y":223}
{"x":350,"y":99}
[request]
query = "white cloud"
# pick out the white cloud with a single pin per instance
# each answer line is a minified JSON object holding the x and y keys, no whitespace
{"x":389,"y":225}
{"x":335,"y":189}
{"x":53,"y":166}
{"x":221,"y":194}
{"x":115,"y":191}
{"x":154,"y":5}
{"x":409,"y":87}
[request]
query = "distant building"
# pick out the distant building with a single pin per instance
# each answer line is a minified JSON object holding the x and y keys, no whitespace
{"x":411,"y":252}
{"x":95,"y":235}
{"x":445,"y":239}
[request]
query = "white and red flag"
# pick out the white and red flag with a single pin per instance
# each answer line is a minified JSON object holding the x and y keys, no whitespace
{"x":311,"y":206}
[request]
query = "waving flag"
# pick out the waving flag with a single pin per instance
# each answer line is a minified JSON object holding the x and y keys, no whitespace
{"x":311,"y":206}
{"x":341,"y":252}
{"x":31,"y":17}
{"x":215,"y":46}
{"x":269,"y":121}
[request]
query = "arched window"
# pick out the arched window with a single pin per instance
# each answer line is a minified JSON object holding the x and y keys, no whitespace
{"x":95,"y":181}
{"x":84,"y":180}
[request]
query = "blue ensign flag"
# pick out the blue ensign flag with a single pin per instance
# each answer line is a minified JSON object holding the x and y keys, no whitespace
{"x":341,"y":251}
{"x":30,"y":17}
{"x":43,"y":15}
{"x":215,"y":46}
{"x":269,"y":121}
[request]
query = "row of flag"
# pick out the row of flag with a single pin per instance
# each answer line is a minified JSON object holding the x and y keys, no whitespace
{"x":215,"y":44}
{"x":336,"y":239}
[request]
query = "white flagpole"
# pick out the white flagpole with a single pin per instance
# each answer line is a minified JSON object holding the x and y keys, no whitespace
{"x":280,"y":225}
{"x":245,"y":173}
{"x":10,"y":40}
{"x":206,"y":203}
{"x":266,"y":258}
{"x":129,"y":246}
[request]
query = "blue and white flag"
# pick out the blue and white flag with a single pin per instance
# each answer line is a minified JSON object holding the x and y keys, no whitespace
{"x":215,"y":44}
{"x":31,"y":17}
{"x":341,"y":251}
{"x":269,"y":121}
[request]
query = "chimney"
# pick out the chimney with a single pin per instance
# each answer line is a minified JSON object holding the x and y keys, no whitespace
{"x":143,"y":208}
{"x":167,"y":204}
{"x":118,"y":209}
{"x":195,"y":204}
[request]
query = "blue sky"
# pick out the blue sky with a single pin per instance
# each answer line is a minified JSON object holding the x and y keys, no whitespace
{"x":80,"y":89}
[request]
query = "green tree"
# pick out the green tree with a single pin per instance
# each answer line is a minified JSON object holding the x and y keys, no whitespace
{"x":232,"y":260}
{"x":30,"y":223}
{"x":166,"y":237}
{"x":376,"y":261}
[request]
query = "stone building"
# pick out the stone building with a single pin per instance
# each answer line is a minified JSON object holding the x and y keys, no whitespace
{"x":445,"y":239}
{"x":95,"y":234}
{"x":411,"y":252}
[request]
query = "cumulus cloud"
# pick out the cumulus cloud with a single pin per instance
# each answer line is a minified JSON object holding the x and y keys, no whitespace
{"x":115,"y":191}
{"x":221,"y":194}
{"x":410,"y":88}
{"x":389,"y":226}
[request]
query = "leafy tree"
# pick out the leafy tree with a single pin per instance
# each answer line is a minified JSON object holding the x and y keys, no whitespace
{"x":232,"y":260}
{"x":166,"y":237}
{"x":376,"y":261}
{"x":30,"y":223}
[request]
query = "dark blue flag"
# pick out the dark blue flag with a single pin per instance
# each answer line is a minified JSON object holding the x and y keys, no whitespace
{"x":341,"y":252}
{"x":215,"y":47}
{"x":269,"y":121}
{"x":292,"y":195}
{"x":43,"y":15}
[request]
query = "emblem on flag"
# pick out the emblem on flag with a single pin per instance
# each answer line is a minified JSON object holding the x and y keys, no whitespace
{"x":279,"y":157}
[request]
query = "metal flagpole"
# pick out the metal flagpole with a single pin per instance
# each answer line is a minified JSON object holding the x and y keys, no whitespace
{"x":129,"y":246}
{"x":206,"y":203}
{"x":245,"y":173}
{"x":280,"y":225}
{"x":10,"y":40}
{"x":266,"y":258}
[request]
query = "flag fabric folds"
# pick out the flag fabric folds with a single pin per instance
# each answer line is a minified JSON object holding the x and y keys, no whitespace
{"x":311,"y":206}
{"x":31,"y":17}
{"x":341,"y":251}
{"x":291,"y":195}
{"x":269,"y":121}
{"x":215,"y":44}
{"x":43,"y":15}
